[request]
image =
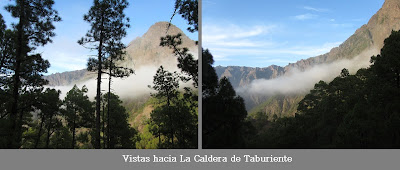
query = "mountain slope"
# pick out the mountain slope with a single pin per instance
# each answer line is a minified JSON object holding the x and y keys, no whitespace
{"x":368,"y":36}
{"x":365,"y":42}
{"x":241,"y":76}
{"x":141,"y":52}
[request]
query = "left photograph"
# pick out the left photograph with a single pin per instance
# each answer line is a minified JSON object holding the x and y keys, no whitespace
{"x":99,"y":74}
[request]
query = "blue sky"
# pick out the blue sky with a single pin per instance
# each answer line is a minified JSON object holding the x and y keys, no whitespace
{"x":260,"y":33}
{"x":65,"y":54}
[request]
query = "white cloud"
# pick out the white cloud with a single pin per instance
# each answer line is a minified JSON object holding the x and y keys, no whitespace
{"x":297,"y":82}
{"x":315,"y":9}
{"x":135,"y":85}
{"x":223,"y":53}
{"x":217,"y":33}
{"x":305,"y":16}
{"x":222,"y":39}
{"x":227,"y":41}
{"x":65,"y":54}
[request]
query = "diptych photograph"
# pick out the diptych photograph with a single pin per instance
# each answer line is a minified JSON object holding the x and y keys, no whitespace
{"x":125,"y":74}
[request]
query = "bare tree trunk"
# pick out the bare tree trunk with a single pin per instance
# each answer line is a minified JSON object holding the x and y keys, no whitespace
{"x":48,"y":131}
{"x":170,"y":119}
{"x":13,"y":140}
{"x":99,"y":71}
{"x":73,"y":131}
{"x":40,"y":131}
{"x":108,"y":104}
{"x":104,"y":135}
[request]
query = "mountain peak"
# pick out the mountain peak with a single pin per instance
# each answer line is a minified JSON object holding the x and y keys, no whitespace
{"x":159,"y":29}
{"x":163,"y":25}
{"x":146,"y":50}
{"x":391,"y":3}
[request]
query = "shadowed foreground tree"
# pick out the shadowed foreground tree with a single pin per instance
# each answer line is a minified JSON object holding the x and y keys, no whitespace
{"x":223,"y":111}
{"x":120,"y":133}
{"x":49,"y":107}
{"x":34,"y":28}
{"x":78,"y":111}
{"x":175,"y":118}
{"x":117,"y":53}
{"x":108,"y":25}
{"x":189,"y":10}
{"x":166,"y":84}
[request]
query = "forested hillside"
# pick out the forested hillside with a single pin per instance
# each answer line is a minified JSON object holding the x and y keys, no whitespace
{"x":359,"y":110}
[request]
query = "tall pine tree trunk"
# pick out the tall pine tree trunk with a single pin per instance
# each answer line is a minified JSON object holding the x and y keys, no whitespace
{"x":48,"y":131}
{"x":40,"y":131}
{"x":99,"y":71}
{"x":108,"y":104}
{"x":73,"y":129}
{"x":170,"y":119}
{"x":159,"y":138}
{"x":13,"y":140}
{"x":104,"y":135}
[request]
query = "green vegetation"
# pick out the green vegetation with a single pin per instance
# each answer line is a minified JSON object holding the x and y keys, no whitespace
{"x":108,"y":23}
{"x":119,"y":134}
{"x":78,"y":111}
{"x":224,"y":113}
{"x":34,"y":117}
{"x":22,"y":68}
{"x":352,"y":111}
{"x":280,"y":105}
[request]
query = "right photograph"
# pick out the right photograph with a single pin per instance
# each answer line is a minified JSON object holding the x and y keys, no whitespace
{"x":300,"y":74}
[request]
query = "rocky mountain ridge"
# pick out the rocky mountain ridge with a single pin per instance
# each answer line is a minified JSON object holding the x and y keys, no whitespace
{"x":367,"y":38}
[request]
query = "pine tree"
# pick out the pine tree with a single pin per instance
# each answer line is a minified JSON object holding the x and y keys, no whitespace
{"x":188,"y":9}
{"x":165,"y":119}
{"x":116,"y":51}
{"x":166,"y":84}
{"x":120,"y":134}
{"x":35,"y":28}
{"x":78,"y":111}
{"x":49,"y":106}
{"x":223,"y":111}
{"x":107,"y":24}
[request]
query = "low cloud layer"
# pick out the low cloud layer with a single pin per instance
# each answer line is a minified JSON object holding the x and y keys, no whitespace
{"x":300,"y":82}
{"x":133,"y":86}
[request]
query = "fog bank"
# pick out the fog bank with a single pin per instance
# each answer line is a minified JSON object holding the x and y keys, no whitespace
{"x":301,"y":82}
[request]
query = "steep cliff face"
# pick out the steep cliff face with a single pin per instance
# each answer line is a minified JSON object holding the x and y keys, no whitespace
{"x":141,"y":52}
{"x":65,"y":78}
{"x":146,"y":50}
{"x":368,"y":37}
{"x":241,"y":76}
